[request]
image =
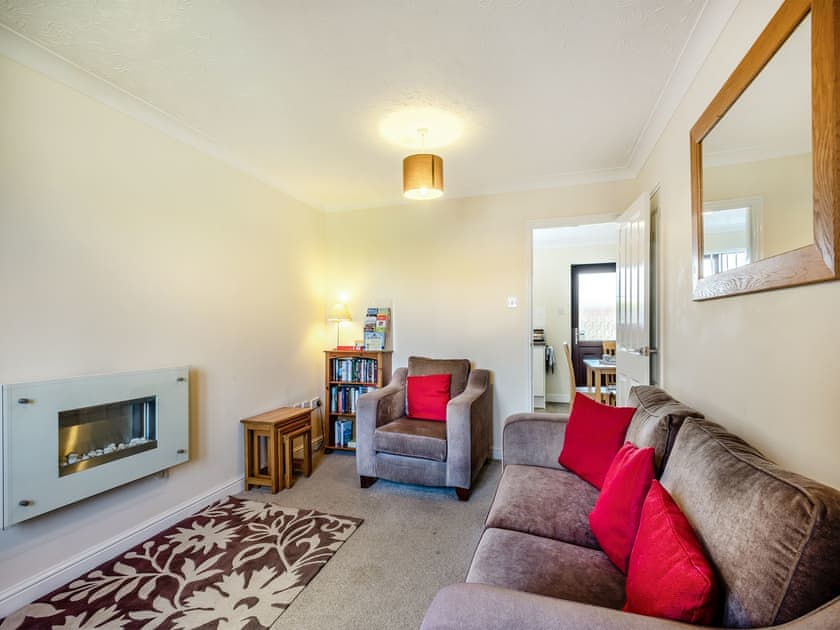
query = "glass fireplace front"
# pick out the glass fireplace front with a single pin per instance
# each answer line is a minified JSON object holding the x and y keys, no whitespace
{"x":91,"y":436}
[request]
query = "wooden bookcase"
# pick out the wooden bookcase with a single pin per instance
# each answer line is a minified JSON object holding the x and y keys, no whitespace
{"x":349,"y":374}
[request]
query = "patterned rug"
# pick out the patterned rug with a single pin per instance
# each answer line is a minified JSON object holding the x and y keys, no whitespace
{"x":236,"y":564}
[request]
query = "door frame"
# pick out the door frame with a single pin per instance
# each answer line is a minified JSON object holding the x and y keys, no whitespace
{"x":530,"y":226}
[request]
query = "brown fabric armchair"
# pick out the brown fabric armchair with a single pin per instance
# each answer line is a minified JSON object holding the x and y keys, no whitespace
{"x":426,"y":452}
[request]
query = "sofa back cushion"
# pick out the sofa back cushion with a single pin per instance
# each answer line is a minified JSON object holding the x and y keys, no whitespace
{"x":657,"y":420}
{"x":458,"y":368}
{"x":772,"y":535}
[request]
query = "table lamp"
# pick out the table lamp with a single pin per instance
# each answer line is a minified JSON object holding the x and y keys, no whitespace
{"x":338,"y":313}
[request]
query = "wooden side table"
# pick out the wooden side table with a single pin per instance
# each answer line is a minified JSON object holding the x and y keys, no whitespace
{"x":288,"y":452}
{"x":268,"y":429}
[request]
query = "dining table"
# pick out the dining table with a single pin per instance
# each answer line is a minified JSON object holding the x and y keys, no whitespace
{"x":596,"y":369}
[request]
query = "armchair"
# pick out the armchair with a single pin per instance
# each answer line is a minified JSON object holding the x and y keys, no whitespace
{"x":426,"y":452}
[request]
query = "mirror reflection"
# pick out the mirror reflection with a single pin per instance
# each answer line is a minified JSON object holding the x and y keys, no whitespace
{"x":757,"y":173}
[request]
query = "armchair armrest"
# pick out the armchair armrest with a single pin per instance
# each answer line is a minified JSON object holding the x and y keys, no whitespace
{"x":469,"y":429}
{"x":533,"y":439}
{"x":373,"y":410}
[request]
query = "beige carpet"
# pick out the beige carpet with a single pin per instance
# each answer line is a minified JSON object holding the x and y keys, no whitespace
{"x":414,"y":540}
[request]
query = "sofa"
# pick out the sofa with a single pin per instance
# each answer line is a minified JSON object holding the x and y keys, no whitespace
{"x":771,"y":536}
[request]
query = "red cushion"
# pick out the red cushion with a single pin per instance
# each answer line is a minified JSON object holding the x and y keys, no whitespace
{"x":428,"y":396}
{"x":669,"y":575}
{"x":615,"y":519}
{"x":593,"y":436}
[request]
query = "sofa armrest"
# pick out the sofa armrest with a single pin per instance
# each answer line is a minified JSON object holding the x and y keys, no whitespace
{"x":373,"y":410}
{"x":533,"y":439}
{"x":469,"y":429}
{"x":484,"y":607}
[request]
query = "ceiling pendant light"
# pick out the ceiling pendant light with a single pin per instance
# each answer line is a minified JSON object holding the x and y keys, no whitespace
{"x":423,"y":173}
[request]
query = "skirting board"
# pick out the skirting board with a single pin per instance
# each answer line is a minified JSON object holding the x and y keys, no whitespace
{"x":496,"y":453}
{"x":557,"y":398}
{"x":19,"y":595}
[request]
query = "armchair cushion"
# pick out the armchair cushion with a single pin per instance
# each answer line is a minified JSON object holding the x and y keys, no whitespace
{"x":413,"y":438}
{"x":458,"y":368}
{"x":428,"y":396}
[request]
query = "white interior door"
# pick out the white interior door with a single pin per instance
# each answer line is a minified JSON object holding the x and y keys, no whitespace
{"x":633,"y":298}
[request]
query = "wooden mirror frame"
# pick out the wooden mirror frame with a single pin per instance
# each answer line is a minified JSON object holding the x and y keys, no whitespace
{"x":819,"y":261}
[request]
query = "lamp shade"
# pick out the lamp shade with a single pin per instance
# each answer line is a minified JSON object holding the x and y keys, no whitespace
{"x":339,"y":313}
{"x":423,"y":176}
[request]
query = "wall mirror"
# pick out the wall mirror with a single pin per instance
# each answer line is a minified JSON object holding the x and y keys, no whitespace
{"x":764,"y":161}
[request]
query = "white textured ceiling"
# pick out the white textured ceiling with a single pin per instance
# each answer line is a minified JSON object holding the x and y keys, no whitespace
{"x":549,"y":92}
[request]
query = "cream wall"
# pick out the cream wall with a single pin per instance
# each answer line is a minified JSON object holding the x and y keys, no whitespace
{"x":122,"y":249}
{"x":784,"y":185}
{"x":552,"y":291}
{"x":762,"y":364}
{"x":750,"y":362}
{"x":447,"y":268}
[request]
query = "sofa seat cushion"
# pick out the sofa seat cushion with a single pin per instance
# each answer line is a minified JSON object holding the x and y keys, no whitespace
{"x":545,"y":502}
{"x":773,"y":536}
{"x":657,"y":420}
{"x":543,"y":566}
{"x":414,"y":438}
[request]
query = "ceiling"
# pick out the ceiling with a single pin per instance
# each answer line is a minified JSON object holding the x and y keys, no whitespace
{"x":545,"y":92}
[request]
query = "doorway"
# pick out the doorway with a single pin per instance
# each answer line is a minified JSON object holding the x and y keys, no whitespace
{"x":554,"y":250}
{"x":593,"y":312}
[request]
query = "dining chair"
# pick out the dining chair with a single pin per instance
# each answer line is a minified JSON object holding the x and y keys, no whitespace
{"x":608,"y":349}
{"x":608,"y":392}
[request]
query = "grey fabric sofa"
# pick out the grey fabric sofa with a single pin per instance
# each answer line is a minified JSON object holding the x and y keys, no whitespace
{"x":773,"y":536}
{"x":426,"y":452}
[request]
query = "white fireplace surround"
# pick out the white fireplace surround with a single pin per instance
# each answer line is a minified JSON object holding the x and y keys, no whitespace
{"x":36,"y":475}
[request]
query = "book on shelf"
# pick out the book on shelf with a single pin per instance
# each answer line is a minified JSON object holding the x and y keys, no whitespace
{"x":344,"y":398}
{"x":354,"y":370}
{"x":343,"y":432}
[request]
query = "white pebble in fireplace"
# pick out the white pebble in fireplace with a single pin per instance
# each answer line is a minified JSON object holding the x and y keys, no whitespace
{"x":67,"y":440}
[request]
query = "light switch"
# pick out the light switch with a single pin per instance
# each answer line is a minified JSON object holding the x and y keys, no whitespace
{"x":511,"y":302}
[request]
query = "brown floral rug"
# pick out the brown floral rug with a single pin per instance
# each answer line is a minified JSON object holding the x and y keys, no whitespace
{"x":236,"y":564}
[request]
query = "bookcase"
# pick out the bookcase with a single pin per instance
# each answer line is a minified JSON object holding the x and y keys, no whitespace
{"x":348,"y":375}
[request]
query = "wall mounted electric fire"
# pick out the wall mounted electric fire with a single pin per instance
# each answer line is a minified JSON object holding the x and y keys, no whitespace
{"x":67,"y":440}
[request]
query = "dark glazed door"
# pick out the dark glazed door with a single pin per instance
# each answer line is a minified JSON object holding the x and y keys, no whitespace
{"x":593,"y":313}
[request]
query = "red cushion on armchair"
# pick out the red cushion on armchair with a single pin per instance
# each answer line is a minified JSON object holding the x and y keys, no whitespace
{"x":428,"y":396}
